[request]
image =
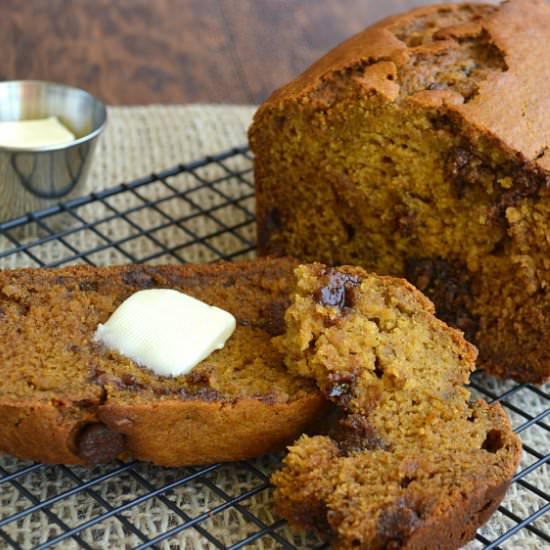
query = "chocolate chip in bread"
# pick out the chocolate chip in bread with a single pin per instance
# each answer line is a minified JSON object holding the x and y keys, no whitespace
{"x":419,"y":148}
{"x":411,"y":461}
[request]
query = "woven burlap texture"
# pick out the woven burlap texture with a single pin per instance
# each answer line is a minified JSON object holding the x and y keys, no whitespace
{"x":142,"y":140}
{"x":139,"y":141}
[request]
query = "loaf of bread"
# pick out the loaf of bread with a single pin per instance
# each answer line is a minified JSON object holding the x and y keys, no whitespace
{"x":67,"y":399}
{"x":411,"y":463}
{"x":421,"y":148}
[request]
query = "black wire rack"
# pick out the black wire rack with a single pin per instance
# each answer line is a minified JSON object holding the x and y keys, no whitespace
{"x":202,"y":210}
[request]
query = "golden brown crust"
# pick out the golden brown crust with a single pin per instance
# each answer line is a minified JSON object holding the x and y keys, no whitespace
{"x":503,"y":107}
{"x":214,"y":432}
{"x":56,"y":382}
{"x":454,"y":527}
{"x":460,"y":520}
{"x":167,"y":433}
{"x":42,"y":431}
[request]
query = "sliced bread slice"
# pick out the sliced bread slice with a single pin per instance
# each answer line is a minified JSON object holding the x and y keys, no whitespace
{"x":64,"y":398}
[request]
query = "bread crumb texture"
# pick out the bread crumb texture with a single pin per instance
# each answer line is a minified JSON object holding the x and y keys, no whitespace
{"x":55,"y":380}
{"x":410,"y":462}
{"x":419,"y":148}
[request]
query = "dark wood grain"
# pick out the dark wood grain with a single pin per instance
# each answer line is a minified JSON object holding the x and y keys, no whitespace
{"x":125,"y":51}
{"x":287,"y":36}
{"x":176,"y":51}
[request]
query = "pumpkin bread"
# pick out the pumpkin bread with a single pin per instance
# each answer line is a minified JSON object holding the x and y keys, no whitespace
{"x":411,"y":462}
{"x":421,"y":148}
{"x":67,"y":399}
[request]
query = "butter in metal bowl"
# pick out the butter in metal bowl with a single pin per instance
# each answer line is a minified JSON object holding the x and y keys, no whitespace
{"x":34,"y":133}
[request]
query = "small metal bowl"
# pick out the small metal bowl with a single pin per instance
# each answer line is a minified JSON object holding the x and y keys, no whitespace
{"x":33,"y":178}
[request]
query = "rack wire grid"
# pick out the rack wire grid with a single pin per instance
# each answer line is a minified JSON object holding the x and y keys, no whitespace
{"x":202,"y":210}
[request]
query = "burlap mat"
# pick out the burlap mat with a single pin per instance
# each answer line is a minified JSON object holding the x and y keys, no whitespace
{"x":137,"y":142}
{"x":141,"y":140}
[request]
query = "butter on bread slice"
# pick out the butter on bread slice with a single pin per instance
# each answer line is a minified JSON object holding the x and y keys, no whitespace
{"x":65,"y":398}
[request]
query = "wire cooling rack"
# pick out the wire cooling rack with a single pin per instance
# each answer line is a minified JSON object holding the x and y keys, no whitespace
{"x":201,"y":211}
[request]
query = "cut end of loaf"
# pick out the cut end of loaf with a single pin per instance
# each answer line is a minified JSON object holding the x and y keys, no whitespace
{"x":389,"y":153}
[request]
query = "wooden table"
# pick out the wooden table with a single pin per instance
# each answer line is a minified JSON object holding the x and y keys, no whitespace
{"x":176,"y":51}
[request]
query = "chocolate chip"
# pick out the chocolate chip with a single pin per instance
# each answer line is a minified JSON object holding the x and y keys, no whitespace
{"x":88,"y":286}
{"x":266,"y":227}
{"x":378,"y":369}
{"x":202,"y":394}
{"x":354,"y":433}
{"x":105,"y":379}
{"x":442,"y":122}
{"x":404,"y":482}
{"x":463,"y":170}
{"x":318,"y":517}
{"x":273,"y":317}
{"x":493,"y":441}
{"x":524,"y":185}
{"x":350,"y":231}
{"x":339,"y":290}
{"x":406,"y":223}
{"x":139,"y":277}
{"x":448,"y":286}
{"x":97,"y":444}
{"x":397,"y":522}
{"x":95,"y":374}
{"x":339,"y":388}
{"x":469,"y":170}
{"x":125,"y":381}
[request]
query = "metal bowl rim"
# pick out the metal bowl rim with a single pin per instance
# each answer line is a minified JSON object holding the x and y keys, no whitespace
{"x":59,"y":147}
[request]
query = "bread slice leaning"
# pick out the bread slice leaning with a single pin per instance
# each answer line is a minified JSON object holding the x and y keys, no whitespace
{"x":412,"y":462}
{"x":67,"y":399}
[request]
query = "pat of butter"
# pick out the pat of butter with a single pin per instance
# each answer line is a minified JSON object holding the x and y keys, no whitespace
{"x":166,"y":331}
{"x":34,"y":133}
